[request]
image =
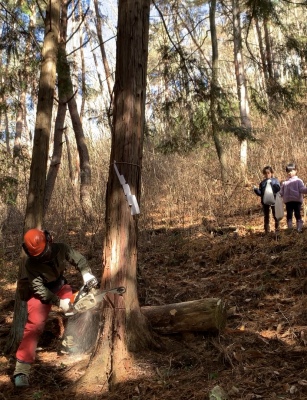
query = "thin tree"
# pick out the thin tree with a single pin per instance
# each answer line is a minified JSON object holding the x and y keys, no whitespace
{"x":215,"y":93}
{"x":82,"y":59}
{"x":108,"y":74}
{"x":245,"y":130}
{"x":85,"y":174}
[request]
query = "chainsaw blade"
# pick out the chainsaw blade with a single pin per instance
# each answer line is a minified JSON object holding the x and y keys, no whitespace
{"x":91,"y":299}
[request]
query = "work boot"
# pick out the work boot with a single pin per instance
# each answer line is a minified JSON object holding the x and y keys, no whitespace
{"x":68,"y":345}
{"x":289,"y":224}
{"x":21,"y":381}
{"x":299,"y":225}
{"x":21,"y":374}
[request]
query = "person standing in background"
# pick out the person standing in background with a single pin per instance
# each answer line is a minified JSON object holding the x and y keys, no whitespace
{"x":269,"y":179}
{"x":292,"y":191}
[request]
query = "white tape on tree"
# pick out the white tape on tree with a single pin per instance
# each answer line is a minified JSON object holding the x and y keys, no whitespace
{"x":131,"y":199}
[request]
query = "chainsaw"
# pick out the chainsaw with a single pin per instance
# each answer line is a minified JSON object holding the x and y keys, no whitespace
{"x":89,"y":297}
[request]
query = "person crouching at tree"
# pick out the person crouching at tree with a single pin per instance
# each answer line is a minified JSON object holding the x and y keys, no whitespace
{"x":267,"y":190}
{"x":43,"y":286}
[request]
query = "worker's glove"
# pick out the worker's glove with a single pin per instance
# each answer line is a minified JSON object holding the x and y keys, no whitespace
{"x":89,"y":280}
{"x":65,"y":304}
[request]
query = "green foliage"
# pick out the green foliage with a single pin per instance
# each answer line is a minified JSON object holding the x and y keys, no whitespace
{"x":283,"y":98}
{"x":197,"y":3}
{"x":259,"y":101}
{"x":201,"y":119}
{"x":37,"y":395}
{"x":298,"y":44}
{"x":262,"y":9}
{"x":8,"y":189}
{"x":188,"y":126}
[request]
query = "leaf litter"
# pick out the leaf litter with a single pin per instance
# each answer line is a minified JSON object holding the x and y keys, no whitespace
{"x":262,"y":352}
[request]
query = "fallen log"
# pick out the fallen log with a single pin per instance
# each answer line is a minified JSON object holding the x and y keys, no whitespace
{"x":204,"y":315}
{"x":199,"y":315}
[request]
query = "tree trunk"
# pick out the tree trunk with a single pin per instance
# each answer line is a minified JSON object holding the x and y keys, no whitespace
{"x":125,"y":329}
{"x":85,"y":166}
{"x":35,"y":199}
{"x":109,"y":78}
{"x":102,"y":50}
{"x":74,"y":172}
{"x":83,"y":85}
{"x":23,"y":76}
{"x":214,"y":94}
{"x":262,"y":52}
{"x":241,"y":88}
{"x":268,"y":47}
{"x":85,"y":184}
{"x":19,"y":120}
{"x":198,"y":315}
{"x":89,"y":34}
{"x":57,"y":151}
{"x":61,"y":112}
{"x":7,"y":131}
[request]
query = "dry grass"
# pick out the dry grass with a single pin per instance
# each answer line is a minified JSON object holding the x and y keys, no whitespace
{"x":184,"y":255}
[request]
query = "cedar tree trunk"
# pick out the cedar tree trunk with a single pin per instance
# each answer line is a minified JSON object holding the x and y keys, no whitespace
{"x":35,"y":200}
{"x":125,"y":328}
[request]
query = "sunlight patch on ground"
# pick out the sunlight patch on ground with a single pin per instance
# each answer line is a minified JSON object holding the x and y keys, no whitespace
{"x":3,"y":379}
{"x":268,"y":334}
{"x":61,"y":361}
{"x":3,"y":362}
{"x":8,"y":286}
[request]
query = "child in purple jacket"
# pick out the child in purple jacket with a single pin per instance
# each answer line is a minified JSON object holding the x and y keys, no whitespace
{"x":292,"y":191}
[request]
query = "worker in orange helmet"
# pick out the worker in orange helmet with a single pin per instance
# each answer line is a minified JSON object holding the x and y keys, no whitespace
{"x":43,"y":286}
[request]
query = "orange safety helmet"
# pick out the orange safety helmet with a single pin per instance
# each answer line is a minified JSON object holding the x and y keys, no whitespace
{"x":35,"y":241}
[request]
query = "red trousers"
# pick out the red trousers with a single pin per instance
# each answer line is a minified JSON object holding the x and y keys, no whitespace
{"x":37,"y":318}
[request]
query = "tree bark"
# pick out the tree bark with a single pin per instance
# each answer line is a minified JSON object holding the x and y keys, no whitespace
{"x":35,"y":203}
{"x":268,"y":47}
{"x":23,"y":76}
{"x":262,"y":52}
{"x":126,"y":329}
{"x":61,"y":112}
{"x":241,"y":88}
{"x":108,"y":75}
{"x":35,"y":199}
{"x":57,"y":152}
{"x":85,"y":166}
{"x":102,"y":50}
{"x":83,"y":72}
{"x":21,"y":110}
{"x":85,"y":178}
{"x":198,"y":315}
{"x":215,"y":93}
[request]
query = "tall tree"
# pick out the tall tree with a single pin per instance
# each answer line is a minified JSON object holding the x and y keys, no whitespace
{"x":105,"y":62}
{"x":125,"y":329}
{"x":245,"y":130}
{"x":83,"y":71}
{"x":59,"y":128}
{"x":68,"y":92}
{"x":36,"y":192}
{"x":215,"y":93}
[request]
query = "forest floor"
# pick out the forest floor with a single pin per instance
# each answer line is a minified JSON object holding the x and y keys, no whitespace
{"x":261,"y":354}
